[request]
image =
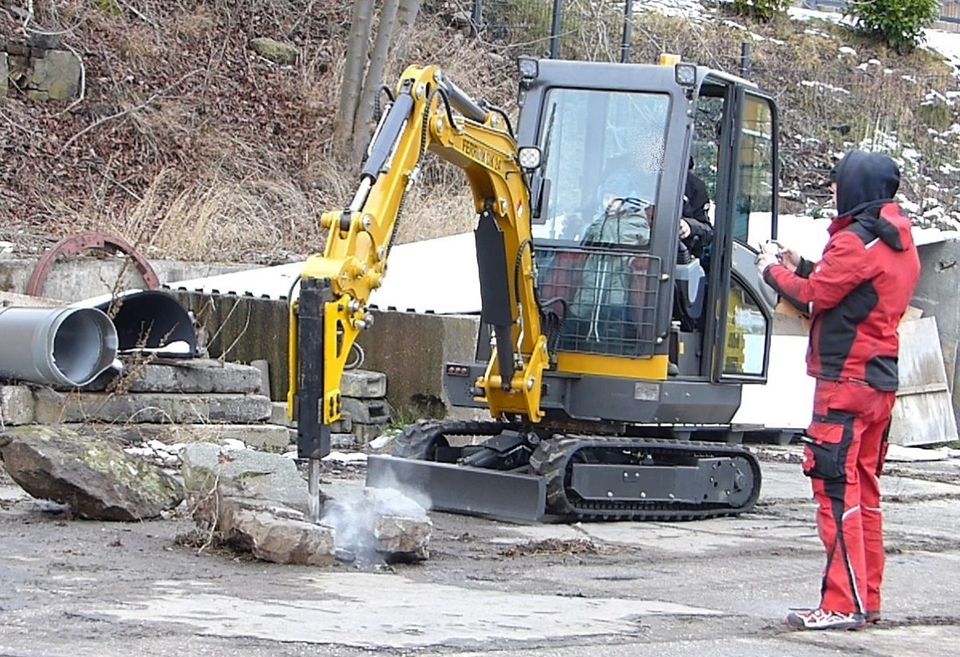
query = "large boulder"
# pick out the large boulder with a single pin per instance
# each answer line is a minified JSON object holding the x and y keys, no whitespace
{"x":95,"y":478}
{"x":211,"y":471}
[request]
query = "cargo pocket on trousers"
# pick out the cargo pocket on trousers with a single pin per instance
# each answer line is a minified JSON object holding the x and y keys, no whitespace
{"x":828,"y":441}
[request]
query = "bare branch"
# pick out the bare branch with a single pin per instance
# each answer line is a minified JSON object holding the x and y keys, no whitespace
{"x":117,"y":115}
{"x":138,"y":14}
{"x":29,"y":16}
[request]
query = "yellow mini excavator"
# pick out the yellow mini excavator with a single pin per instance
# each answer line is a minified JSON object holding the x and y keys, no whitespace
{"x":613,"y":352}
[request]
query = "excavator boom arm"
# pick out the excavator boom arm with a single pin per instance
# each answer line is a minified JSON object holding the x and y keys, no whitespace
{"x":428,"y":113}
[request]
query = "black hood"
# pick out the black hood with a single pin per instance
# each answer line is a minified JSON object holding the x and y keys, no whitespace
{"x":865,"y":183}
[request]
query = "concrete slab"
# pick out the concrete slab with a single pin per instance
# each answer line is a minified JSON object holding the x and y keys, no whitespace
{"x":266,"y":437}
{"x":367,"y":411}
{"x":748,"y":533}
{"x":924,"y":525}
{"x":389,"y":611}
{"x":901,"y":454}
{"x":194,"y":376}
{"x":723,"y":534}
{"x":158,"y":408}
{"x":363,"y":384}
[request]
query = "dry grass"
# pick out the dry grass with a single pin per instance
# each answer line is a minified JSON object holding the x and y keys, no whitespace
{"x":235,"y":162}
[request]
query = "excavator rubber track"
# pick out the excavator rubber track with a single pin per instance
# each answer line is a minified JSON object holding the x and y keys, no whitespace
{"x":554,"y":458}
{"x":726,"y":476}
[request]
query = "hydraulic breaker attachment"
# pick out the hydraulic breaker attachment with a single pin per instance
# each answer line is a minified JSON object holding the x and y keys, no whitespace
{"x":313,"y":434}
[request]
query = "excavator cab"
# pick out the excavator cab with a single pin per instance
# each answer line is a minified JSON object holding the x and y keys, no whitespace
{"x":631,"y":315}
{"x":607,"y":130}
{"x":616,"y":355}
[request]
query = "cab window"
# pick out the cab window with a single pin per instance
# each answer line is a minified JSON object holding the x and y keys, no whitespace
{"x":603,"y":154}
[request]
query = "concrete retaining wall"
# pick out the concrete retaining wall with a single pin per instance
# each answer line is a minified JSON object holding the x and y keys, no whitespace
{"x":76,"y":279}
{"x":410,"y":348}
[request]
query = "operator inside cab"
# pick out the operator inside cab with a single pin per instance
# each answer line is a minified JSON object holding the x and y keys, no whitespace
{"x":696,"y":232}
{"x":624,"y":219}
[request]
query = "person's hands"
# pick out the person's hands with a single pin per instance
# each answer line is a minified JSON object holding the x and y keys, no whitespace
{"x":790,"y":259}
{"x":684,"y":229}
{"x":764,"y":260}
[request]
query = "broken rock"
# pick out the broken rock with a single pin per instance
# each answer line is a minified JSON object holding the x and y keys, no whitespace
{"x":256,"y":503}
{"x":379,"y":523}
{"x":96,"y":479}
{"x":212,"y":473}
{"x":16,"y":405}
{"x":275,"y":534}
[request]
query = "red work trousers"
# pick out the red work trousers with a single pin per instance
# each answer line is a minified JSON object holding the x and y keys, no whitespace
{"x":843,"y":458}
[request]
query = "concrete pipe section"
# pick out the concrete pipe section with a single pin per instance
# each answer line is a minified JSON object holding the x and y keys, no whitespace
{"x":56,"y":346}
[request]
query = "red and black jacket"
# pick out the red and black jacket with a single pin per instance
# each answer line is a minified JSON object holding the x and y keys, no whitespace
{"x":857,"y":293}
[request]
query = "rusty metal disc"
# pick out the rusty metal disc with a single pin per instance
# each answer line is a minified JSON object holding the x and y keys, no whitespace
{"x":92,"y":241}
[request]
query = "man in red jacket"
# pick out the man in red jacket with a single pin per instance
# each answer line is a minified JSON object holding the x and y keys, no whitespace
{"x":855,"y":297}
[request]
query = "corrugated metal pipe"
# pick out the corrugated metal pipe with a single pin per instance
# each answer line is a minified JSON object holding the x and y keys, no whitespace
{"x":56,"y":346}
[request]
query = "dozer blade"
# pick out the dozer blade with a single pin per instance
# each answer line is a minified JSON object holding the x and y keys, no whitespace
{"x":462,"y":489}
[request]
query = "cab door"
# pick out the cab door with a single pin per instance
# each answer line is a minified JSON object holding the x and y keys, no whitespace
{"x":746,"y":218}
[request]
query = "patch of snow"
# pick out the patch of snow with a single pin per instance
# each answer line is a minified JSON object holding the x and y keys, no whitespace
{"x":689,"y":9}
{"x":909,"y":206}
{"x":946,"y":44}
{"x":935,"y":98}
{"x":847,"y":50}
{"x":801,"y":14}
{"x":823,"y":85}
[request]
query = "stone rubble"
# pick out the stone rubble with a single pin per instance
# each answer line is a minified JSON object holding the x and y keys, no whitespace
{"x":116,"y":454}
{"x":256,"y":502}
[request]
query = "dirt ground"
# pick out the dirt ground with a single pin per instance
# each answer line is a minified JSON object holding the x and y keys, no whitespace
{"x":718,"y":587}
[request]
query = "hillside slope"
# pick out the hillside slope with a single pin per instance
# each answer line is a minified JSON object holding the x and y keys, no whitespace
{"x":191,"y":145}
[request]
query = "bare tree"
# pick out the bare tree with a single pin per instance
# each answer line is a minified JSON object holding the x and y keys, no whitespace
{"x":406,"y":19}
{"x":350,"y":88}
{"x":374,"y":78}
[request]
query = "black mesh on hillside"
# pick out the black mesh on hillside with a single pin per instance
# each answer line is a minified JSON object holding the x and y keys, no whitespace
{"x":523,"y":25}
